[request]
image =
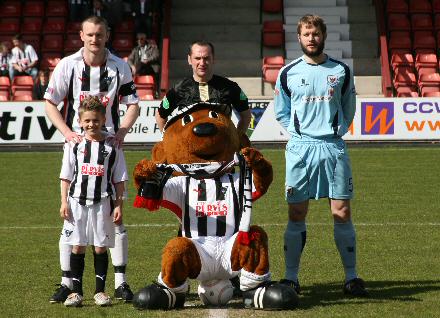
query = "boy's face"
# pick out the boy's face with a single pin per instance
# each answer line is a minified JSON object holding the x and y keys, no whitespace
{"x":92,"y":123}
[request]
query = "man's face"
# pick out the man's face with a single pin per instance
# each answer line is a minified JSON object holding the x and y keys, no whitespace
{"x":142,"y":39}
{"x":312,"y":40}
{"x":94,"y":37}
{"x":201,"y":61}
{"x":16,"y":43}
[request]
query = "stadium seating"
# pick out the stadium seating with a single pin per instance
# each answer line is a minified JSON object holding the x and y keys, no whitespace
{"x":272,"y":6}
{"x":72,"y":43}
{"x":406,"y":91}
{"x":33,"y":9}
{"x":402,"y":59}
{"x":49,"y":60}
{"x":22,"y":98}
{"x":424,"y":42}
{"x":126,"y":26}
{"x":273,"y":33}
{"x":52,"y":43}
{"x":421,"y":22}
{"x":56,"y":9}
{"x":22,"y":83}
{"x":429,"y":80}
{"x":31,"y":25}
{"x":73,"y":27}
{"x":420,"y":6}
{"x":10,"y":9}
{"x":4,"y":96}
{"x":396,"y":6}
{"x":54,"y":25}
{"x":145,"y":94}
{"x":271,"y":67}
{"x":426,"y":60}
{"x":9,"y":26}
{"x":5,"y":83}
{"x":432,"y":94}
{"x":398,"y":22}
{"x":436,"y":6}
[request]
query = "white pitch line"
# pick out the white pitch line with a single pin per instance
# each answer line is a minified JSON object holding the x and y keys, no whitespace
{"x":433,"y":224}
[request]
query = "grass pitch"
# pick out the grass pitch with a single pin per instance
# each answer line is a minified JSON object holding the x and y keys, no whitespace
{"x":396,"y":213}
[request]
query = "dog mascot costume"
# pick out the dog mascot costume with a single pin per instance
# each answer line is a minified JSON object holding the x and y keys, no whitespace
{"x":213,"y":202}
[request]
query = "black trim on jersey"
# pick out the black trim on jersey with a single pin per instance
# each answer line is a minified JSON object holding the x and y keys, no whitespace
{"x":111,"y":162}
{"x":237,"y":210}
{"x":335,"y":124}
{"x":126,"y":89}
{"x":85,"y":78}
{"x":202,"y":221}
{"x":186,"y":220}
{"x":85,"y":178}
{"x":221,"y":219}
{"x":98,"y":179}
{"x":283,"y":78}
{"x":70,"y":101}
{"x":347,"y":75}
{"x":296,"y":124}
{"x":75,"y":172}
{"x":115,"y":106}
{"x":103,"y":78}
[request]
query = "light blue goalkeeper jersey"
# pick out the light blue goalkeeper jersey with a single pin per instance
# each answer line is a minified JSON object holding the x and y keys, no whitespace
{"x":315,"y":100}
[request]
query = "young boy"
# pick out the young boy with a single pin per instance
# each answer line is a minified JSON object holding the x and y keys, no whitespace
{"x":92,"y":187}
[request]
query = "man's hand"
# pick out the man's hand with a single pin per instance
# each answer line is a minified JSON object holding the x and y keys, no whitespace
{"x":118,"y":140}
{"x":64,"y":211}
{"x":72,"y":136}
{"x":117,"y":215}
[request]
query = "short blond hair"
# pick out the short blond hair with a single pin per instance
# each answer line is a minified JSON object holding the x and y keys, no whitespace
{"x":312,"y":19}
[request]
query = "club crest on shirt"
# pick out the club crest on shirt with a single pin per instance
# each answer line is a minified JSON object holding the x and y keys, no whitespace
{"x":332,"y":80}
{"x":108,"y":80}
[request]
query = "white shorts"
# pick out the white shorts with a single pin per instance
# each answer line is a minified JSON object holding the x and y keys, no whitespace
{"x":89,"y":225}
{"x":215,"y":256}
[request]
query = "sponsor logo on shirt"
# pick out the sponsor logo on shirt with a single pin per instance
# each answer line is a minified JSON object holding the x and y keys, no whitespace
{"x":92,"y":170}
{"x":308,"y":99}
{"x":204,"y":208}
{"x":104,"y":98}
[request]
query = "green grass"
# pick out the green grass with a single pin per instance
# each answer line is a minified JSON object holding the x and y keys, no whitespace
{"x":396,"y":213}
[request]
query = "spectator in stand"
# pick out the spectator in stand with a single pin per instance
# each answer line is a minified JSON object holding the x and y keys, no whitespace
{"x":144,"y":58}
{"x":100,"y":9}
{"x":5,"y":58}
{"x":41,"y":85}
{"x":79,"y":10}
{"x":142,"y":11}
{"x":115,"y":11}
{"x":24,"y":58}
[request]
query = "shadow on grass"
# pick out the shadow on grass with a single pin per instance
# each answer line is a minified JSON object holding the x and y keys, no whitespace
{"x":330,"y":294}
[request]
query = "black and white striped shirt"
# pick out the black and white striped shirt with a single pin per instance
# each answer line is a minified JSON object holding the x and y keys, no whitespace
{"x":207,"y":207}
{"x":93,"y":168}
{"x":73,"y":79}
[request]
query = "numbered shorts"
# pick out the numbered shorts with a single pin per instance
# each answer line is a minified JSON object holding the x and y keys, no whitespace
{"x":89,"y":225}
{"x":317,"y":169}
{"x":215,"y":256}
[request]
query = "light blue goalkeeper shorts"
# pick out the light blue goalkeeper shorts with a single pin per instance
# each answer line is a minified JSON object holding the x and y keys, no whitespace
{"x":317,"y":169}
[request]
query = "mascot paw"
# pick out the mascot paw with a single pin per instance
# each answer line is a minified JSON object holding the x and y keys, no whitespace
{"x":144,"y":170}
{"x":271,"y":296}
{"x":157,"y":297}
{"x":252,"y":156}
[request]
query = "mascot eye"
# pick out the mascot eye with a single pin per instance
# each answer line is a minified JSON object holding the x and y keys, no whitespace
{"x":213,"y":114}
{"x":187,"y":119}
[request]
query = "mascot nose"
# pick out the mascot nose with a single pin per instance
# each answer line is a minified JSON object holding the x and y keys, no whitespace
{"x":205,"y":129}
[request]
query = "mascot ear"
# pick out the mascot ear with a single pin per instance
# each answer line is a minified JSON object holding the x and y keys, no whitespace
{"x":158,"y":153}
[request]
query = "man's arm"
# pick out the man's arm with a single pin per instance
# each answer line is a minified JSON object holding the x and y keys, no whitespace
{"x":160,"y":121}
{"x":129,"y":119}
{"x":55,"y":117}
{"x":244,"y":121}
{"x":64,"y":209}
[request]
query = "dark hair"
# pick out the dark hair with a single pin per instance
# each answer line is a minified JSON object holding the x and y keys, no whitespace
{"x":311,"y":19}
{"x":91,"y":104}
{"x":201,"y":43}
{"x":18,"y":37}
{"x":96,"y":20}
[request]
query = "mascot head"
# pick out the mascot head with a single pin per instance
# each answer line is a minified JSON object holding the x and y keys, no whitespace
{"x":199,"y":133}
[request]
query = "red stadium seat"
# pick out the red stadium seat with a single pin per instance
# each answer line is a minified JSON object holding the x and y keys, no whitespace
{"x":33,"y":9}
{"x":272,"y":6}
{"x":431,"y":94}
{"x":424,"y":42}
{"x":52,"y":43}
{"x":396,"y":6}
{"x":271,"y":68}
{"x":10,"y":26}
{"x":426,"y":70}
{"x":123,"y":43}
{"x":405,"y":80}
{"x":126,"y":26}
{"x":145,"y":93}
{"x":437,"y":21}
{"x":5,"y":83}
{"x":22,"y":83}
{"x":22,"y":98}
{"x":56,"y":9}
{"x":401,"y":43}
{"x":34,"y":40}
{"x":10,"y":9}
{"x":4,"y":96}
{"x":72,"y":43}
{"x":419,"y":6}
{"x":54,"y":25}
{"x":426,"y":60}
{"x":73,"y":27}
{"x":144,"y":81}
{"x":398,"y":22}
{"x":273,"y":33}
{"x":429,"y":80}
{"x":402,"y":59}
{"x":405,"y":91}
{"x":436,"y":6}
{"x":421,"y":22}
{"x":49,"y":60}
{"x":31,"y":25}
